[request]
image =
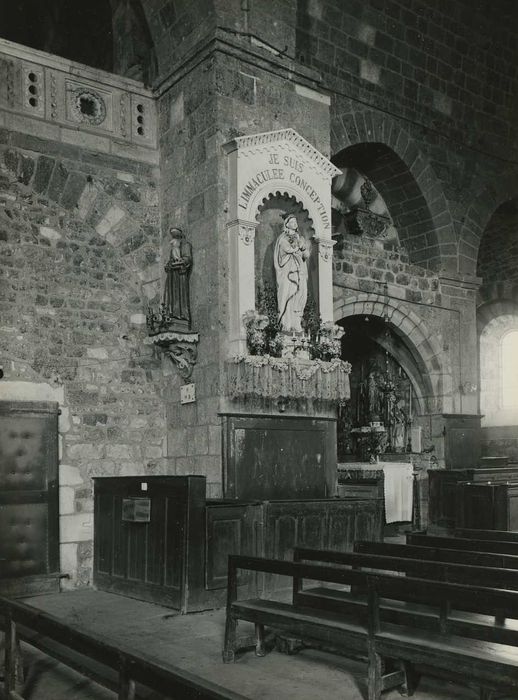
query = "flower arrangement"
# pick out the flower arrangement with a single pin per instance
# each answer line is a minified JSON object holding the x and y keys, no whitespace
{"x":327,"y":345}
{"x":256,"y":338}
{"x":264,"y":335}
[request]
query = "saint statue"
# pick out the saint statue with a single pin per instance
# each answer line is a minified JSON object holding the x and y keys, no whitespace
{"x":178,"y":269}
{"x":291,"y":272}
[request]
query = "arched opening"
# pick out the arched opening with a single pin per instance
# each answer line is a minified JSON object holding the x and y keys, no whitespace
{"x":499,"y":370}
{"x":269,"y":227}
{"x":497,"y":320}
{"x":497,"y":261}
{"x":78,"y":31}
{"x":509,"y":361}
{"x":398,"y":196}
{"x":387,"y":384}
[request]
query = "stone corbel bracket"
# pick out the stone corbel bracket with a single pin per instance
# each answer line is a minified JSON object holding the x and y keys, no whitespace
{"x":181,"y":348}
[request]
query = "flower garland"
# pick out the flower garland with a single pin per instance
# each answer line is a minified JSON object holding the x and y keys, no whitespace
{"x":303,"y":369}
{"x":275,"y":377}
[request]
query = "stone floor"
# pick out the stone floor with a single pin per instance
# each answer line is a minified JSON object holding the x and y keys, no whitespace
{"x":194,"y":642}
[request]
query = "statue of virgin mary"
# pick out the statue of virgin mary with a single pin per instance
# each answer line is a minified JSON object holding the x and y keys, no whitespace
{"x":291,"y":272}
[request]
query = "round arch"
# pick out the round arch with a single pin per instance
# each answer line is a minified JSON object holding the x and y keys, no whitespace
{"x":433,"y":225}
{"x":429,"y":379}
{"x":484,"y":204}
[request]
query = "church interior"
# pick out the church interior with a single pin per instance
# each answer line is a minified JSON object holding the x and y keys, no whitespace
{"x":259,"y":349}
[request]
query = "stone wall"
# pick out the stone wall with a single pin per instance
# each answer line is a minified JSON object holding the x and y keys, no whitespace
{"x":79,"y":235}
{"x":446,"y":66}
{"x":221,"y":98}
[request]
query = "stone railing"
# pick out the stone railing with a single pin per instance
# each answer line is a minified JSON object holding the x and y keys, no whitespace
{"x":53,"y":98}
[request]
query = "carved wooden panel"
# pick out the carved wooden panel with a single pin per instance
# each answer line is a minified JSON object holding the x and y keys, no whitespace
{"x":231,"y":529}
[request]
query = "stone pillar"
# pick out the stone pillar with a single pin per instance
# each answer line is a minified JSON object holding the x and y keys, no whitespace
{"x":241,"y":235}
{"x":325,"y":276}
{"x":461,"y":290}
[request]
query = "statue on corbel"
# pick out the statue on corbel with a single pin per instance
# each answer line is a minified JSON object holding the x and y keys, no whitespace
{"x":170,"y":328}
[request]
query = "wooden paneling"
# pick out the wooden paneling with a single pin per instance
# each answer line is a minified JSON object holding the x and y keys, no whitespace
{"x":461,"y":440}
{"x":232,"y":528}
{"x":267,"y":458}
{"x":180,"y":557}
{"x":447,"y":509}
{"x":161,"y":560}
{"x":490,"y":506}
{"x":29,"y":520}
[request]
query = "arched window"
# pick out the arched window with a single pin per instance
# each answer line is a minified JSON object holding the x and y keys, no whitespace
{"x":509,"y":369}
{"x":499,"y":370}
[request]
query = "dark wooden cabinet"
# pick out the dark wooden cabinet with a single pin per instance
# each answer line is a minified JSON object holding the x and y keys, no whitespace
{"x":489,"y":506}
{"x":461,"y":496}
{"x":160,"y":559}
{"x":442,"y":496}
{"x":461,"y":440}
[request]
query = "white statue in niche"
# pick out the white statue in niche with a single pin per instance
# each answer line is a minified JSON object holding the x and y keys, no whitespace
{"x":291,"y":272}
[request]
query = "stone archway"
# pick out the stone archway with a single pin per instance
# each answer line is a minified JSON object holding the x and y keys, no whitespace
{"x":432,"y":377}
{"x":486,"y":202}
{"x":433,"y":221}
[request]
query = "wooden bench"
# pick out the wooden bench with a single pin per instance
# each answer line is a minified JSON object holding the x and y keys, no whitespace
{"x":464,"y":543}
{"x":379,"y":638}
{"x":455,"y":556}
{"x":316,"y":628}
{"x":499,"y":535}
{"x":114,"y":666}
{"x":352,"y":602}
{"x":490,"y":666}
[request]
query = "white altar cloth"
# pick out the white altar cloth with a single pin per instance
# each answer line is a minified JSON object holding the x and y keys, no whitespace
{"x":398,"y":485}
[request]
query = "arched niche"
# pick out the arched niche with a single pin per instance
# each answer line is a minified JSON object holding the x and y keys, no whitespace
{"x":269,"y":227}
{"x":280,"y":163}
{"x":401,"y":194}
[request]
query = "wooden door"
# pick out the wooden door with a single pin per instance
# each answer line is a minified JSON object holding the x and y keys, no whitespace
{"x":29,"y":525}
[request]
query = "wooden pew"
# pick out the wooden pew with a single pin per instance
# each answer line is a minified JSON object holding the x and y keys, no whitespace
{"x":114,"y":667}
{"x":499,"y":535}
{"x":351,"y":602}
{"x":455,"y":556}
{"x":493,"y":577}
{"x":491,"y":666}
{"x":463,"y":543}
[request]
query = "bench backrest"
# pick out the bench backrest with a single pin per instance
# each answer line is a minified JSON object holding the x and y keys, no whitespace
{"x":442,"y":598}
{"x":463,"y":543}
{"x":295,"y":570}
{"x":498,"y":535}
{"x":420,"y":568}
{"x":167,"y":680}
{"x":455,"y":556}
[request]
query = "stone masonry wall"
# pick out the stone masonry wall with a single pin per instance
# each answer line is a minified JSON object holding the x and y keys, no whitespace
{"x":449,"y":66}
{"x":442,"y":74}
{"x":498,"y":255}
{"x":187,"y":128}
{"x":78,"y":245}
{"x":365,"y":265}
{"x":219,"y":100}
